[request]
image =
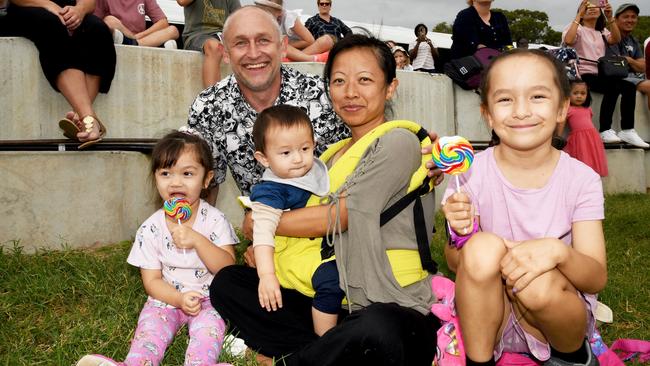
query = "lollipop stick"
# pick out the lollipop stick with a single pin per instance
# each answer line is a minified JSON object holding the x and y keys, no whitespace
{"x":184,"y":253}
{"x":457,"y":185}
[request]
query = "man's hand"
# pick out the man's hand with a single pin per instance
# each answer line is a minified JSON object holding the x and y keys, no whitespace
{"x":434,"y":172}
{"x":249,"y":256}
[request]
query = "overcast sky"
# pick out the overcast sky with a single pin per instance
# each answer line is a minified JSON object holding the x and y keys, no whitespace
{"x":408,"y":13}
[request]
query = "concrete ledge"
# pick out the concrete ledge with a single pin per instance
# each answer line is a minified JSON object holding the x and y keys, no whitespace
{"x":153,"y":89}
{"x":627,"y":171}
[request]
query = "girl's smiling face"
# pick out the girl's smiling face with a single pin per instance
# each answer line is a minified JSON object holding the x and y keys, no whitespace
{"x":524,"y":107}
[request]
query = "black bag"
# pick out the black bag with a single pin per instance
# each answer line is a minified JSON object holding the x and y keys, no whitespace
{"x":461,"y":70}
{"x":613,"y":67}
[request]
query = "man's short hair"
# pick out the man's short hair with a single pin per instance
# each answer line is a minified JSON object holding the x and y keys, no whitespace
{"x":274,"y":21}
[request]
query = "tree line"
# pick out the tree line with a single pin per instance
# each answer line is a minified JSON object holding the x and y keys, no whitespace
{"x":533,"y":25}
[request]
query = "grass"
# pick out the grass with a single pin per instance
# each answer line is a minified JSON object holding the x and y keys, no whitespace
{"x":56,"y":306}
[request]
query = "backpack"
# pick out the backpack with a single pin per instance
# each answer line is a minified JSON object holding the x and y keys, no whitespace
{"x":466,"y":71}
{"x":569,"y":58}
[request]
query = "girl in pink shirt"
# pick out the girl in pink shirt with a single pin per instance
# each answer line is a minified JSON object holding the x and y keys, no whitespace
{"x":178,"y":261}
{"x":526,"y":231}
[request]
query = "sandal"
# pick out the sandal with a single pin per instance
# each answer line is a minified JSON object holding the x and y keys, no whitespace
{"x":71,"y":128}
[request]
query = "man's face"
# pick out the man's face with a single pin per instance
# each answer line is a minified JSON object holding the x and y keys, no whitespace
{"x":324,"y":7}
{"x":626,"y":21}
{"x":254,"y":49}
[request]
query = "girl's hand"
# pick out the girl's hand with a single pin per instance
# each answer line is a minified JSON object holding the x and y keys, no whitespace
{"x":72,"y":17}
{"x":184,"y":236}
{"x":528,"y":259}
{"x":459,"y":213}
{"x":269,"y":292}
{"x":191,"y":303}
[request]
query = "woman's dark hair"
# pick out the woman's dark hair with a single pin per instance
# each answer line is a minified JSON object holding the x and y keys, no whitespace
{"x":415,"y":30}
{"x":559,"y":71}
{"x":383,"y":54}
{"x":587,"y":102}
{"x":169,"y":148}
{"x":282,"y":116}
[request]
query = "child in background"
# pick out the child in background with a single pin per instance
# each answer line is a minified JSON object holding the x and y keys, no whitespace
{"x":284,"y":144}
{"x":402,"y":58}
{"x":177,"y":262}
{"x":584,"y":142}
{"x":533,"y":258}
{"x":126,"y":20}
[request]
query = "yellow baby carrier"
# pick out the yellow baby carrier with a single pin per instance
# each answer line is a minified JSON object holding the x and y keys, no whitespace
{"x":296,"y":259}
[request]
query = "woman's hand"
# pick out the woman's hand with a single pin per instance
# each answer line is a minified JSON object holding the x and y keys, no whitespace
{"x":191,"y":303}
{"x":583,"y":8}
{"x":608,"y":12}
{"x":459,"y":213}
{"x":434,"y":172}
{"x":269,"y":292}
{"x":72,"y":17}
{"x":53,"y":8}
{"x":184,"y":236}
{"x":528,"y":259}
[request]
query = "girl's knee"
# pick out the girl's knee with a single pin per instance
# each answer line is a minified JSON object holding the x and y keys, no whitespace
{"x":213,"y":48}
{"x":173,"y":32}
{"x":544,"y":291}
{"x":482,"y":254}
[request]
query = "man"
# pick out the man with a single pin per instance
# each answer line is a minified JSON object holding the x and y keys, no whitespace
{"x":323,"y":23}
{"x":204,"y":22}
{"x":224,"y":113}
{"x":626,"y":17}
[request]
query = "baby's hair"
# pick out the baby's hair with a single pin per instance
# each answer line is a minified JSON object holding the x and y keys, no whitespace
{"x":587,"y":102}
{"x":559,"y":72}
{"x":281,"y":116}
{"x":169,"y":148}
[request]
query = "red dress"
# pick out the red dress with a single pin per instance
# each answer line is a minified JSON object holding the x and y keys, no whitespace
{"x":584,"y":142}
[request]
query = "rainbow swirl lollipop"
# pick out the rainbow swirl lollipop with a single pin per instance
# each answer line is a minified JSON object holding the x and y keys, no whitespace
{"x":178,"y":208}
{"x":453,"y":155}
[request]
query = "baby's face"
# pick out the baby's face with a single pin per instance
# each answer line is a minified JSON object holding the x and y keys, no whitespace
{"x":289,"y":151}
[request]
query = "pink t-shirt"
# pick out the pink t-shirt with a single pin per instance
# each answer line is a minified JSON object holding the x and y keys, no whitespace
{"x":130,"y":12}
{"x":154,"y":248}
{"x":589,"y":44}
{"x":573,"y":193}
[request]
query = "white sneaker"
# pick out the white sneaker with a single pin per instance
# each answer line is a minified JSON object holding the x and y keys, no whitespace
{"x":96,"y":360}
{"x":235,"y":345}
{"x":609,"y":137}
{"x":632,"y":138}
{"x":118,"y":37}
{"x":171,"y":44}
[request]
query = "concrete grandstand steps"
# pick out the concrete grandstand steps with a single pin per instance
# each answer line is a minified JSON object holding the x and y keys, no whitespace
{"x":102,"y":194}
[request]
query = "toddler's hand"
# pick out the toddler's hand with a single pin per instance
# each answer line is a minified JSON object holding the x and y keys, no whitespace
{"x":191,"y":303}
{"x":184,"y":236}
{"x":269,"y":292}
{"x":459,"y":213}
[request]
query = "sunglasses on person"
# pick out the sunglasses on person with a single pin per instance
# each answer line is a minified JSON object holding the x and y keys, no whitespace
{"x":324,"y":4}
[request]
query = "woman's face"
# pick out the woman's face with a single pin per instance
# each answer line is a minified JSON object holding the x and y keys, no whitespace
{"x":593,"y":12}
{"x":358,"y":89}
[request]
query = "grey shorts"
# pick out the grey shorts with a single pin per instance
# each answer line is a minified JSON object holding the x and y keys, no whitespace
{"x":196,"y":41}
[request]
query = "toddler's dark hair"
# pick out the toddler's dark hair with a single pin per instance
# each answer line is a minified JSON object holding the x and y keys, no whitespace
{"x":587,"y":102}
{"x":169,"y":148}
{"x":283,"y":116}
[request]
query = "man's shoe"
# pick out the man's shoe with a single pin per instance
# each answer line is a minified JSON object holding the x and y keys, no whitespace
{"x":632,"y":138}
{"x":609,"y":137}
{"x":591,"y":359}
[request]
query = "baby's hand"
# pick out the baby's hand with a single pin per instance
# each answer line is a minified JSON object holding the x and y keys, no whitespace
{"x":191,"y":303}
{"x":184,"y":236}
{"x":269,"y":292}
{"x":459,"y":213}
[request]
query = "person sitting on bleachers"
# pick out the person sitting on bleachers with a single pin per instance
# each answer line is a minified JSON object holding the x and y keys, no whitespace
{"x":627,"y":17}
{"x":324,"y":23}
{"x":302,"y":46}
{"x":126,"y":19}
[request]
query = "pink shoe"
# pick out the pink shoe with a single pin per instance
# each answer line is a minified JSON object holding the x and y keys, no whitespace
{"x":96,"y":360}
{"x":322,"y":57}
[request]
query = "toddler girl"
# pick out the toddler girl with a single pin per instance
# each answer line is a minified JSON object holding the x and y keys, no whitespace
{"x":584,"y":142}
{"x":177,"y":262}
{"x":534,"y":253}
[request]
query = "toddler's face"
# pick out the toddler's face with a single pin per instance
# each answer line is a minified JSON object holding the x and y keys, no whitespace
{"x":185,"y":179}
{"x":289,"y":151}
{"x":400,"y":59}
{"x":578,"y":94}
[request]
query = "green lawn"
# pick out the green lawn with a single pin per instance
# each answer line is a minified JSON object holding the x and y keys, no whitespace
{"x":57,"y":306}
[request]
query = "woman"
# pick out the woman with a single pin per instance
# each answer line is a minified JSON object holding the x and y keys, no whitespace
{"x":302,"y":45}
{"x":422,"y":51}
{"x":476,"y":27}
{"x":590,"y":33}
{"x":390,"y":322}
{"x":77,"y":57}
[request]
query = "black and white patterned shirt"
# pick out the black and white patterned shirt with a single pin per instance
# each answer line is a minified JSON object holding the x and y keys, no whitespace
{"x":225,"y":120}
{"x":318,"y":27}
